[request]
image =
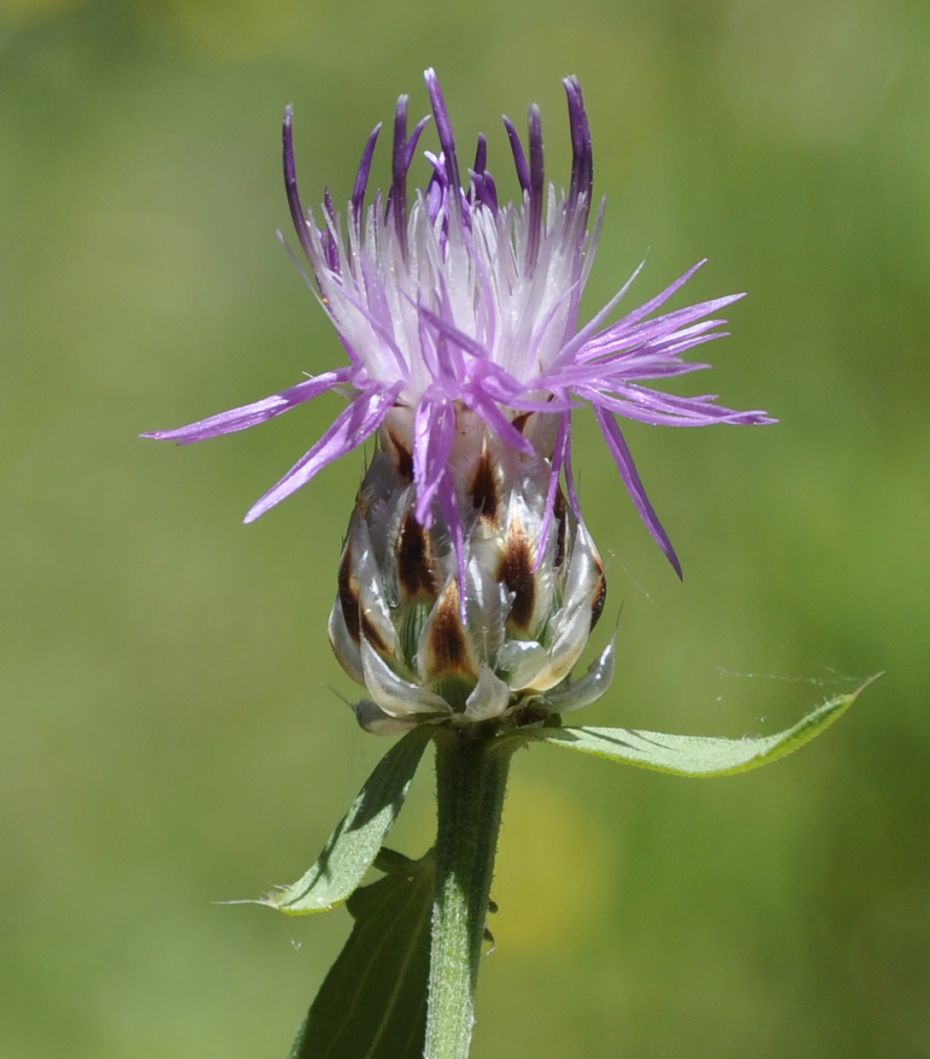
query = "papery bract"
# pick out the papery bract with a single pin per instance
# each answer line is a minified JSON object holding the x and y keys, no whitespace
{"x":501,"y":649}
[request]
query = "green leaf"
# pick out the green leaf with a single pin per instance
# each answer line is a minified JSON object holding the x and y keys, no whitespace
{"x":354,"y":844}
{"x":689,"y":755}
{"x":372,"y":1003}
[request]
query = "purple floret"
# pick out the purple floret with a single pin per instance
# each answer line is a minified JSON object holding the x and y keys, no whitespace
{"x":449,"y":303}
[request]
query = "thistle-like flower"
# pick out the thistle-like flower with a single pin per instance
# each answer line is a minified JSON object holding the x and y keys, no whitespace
{"x":469,"y":584}
{"x":453,"y":302}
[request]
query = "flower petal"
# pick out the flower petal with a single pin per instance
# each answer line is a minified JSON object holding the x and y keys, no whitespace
{"x":433,"y":437}
{"x":250,"y":415}
{"x":353,"y":426}
{"x":361,"y":177}
{"x":298,"y":214}
{"x":444,"y":128}
{"x":617,"y":445}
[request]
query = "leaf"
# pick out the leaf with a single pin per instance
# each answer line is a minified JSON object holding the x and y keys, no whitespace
{"x":354,"y":844}
{"x":372,"y":1004}
{"x":690,"y":755}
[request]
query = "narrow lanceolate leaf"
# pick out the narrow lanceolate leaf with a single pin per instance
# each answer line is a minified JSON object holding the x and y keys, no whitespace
{"x":373,"y":1001}
{"x":354,"y":844}
{"x":689,"y":755}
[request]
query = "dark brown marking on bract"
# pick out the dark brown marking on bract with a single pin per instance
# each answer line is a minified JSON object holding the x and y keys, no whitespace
{"x":356,"y":621}
{"x":448,"y":649}
{"x":600,"y":595}
{"x":403,"y":458}
{"x":371,"y":634}
{"x":519,"y":422}
{"x":348,"y":596}
{"x":414,"y":570}
{"x":484,"y":488}
{"x":558,"y":513}
{"x":516,"y":572}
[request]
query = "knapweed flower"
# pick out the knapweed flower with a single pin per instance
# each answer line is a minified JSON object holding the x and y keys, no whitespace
{"x":469,"y":584}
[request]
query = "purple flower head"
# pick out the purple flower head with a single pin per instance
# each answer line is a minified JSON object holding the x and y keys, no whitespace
{"x":452,"y":307}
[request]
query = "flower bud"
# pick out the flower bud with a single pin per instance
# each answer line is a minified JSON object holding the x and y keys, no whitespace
{"x":490,"y":637}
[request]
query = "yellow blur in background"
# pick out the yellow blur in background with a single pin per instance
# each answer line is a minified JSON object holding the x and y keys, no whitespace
{"x":173,"y":728}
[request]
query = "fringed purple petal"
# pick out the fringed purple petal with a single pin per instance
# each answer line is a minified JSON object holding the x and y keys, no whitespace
{"x":656,"y":412}
{"x":648,"y":308}
{"x":439,"y":176}
{"x":444,"y":128}
{"x":433,"y":437}
{"x":330,"y":247}
{"x":519,"y":158}
{"x":377,"y":304}
{"x":397,"y":198}
{"x":702,"y":405}
{"x":482,"y":382}
{"x":414,"y":140}
{"x":251,"y":415}
{"x":570,"y":350}
{"x":486,"y":408}
{"x":361,"y":177}
{"x":658,"y":369}
{"x":617,"y":372}
{"x":617,"y":445}
{"x":631,"y":331}
{"x":450,"y":331}
{"x":402,"y":157}
{"x":582,"y":182}
{"x":669,"y":351}
{"x":485,"y":190}
{"x":437,"y":188}
{"x":653,"y":362}
{"x":380,"y":329}
{"x":442,"y":356}
{"x":349,"y":430}
{"x":536,"y":186}
{"x":290,"y":184}
{"x":549,"y":405}
{"x":481,"y":154}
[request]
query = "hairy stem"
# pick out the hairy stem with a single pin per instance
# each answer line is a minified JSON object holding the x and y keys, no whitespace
{"x":470,"y":786}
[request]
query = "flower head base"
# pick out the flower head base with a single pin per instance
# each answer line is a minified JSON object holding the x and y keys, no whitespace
{"x":501,"y":651}
{"x":450,"y":303}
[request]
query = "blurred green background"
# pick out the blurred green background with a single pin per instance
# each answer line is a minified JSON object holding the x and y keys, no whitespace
{"x":173,"y":727}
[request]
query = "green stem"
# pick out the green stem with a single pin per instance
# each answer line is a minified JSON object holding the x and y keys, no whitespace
{"x":470,"y":785}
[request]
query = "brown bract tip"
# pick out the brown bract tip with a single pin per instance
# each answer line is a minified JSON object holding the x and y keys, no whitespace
{"x":447,"y":644}
{"x":484,"y":493}
{"x":516,"y":572}
{"x":403,"y":457}
{"x":600,"y":594}
{"x":414,"y":566}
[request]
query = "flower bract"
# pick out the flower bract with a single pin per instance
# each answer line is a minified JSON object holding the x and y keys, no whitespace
{"x":498,"y":650}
